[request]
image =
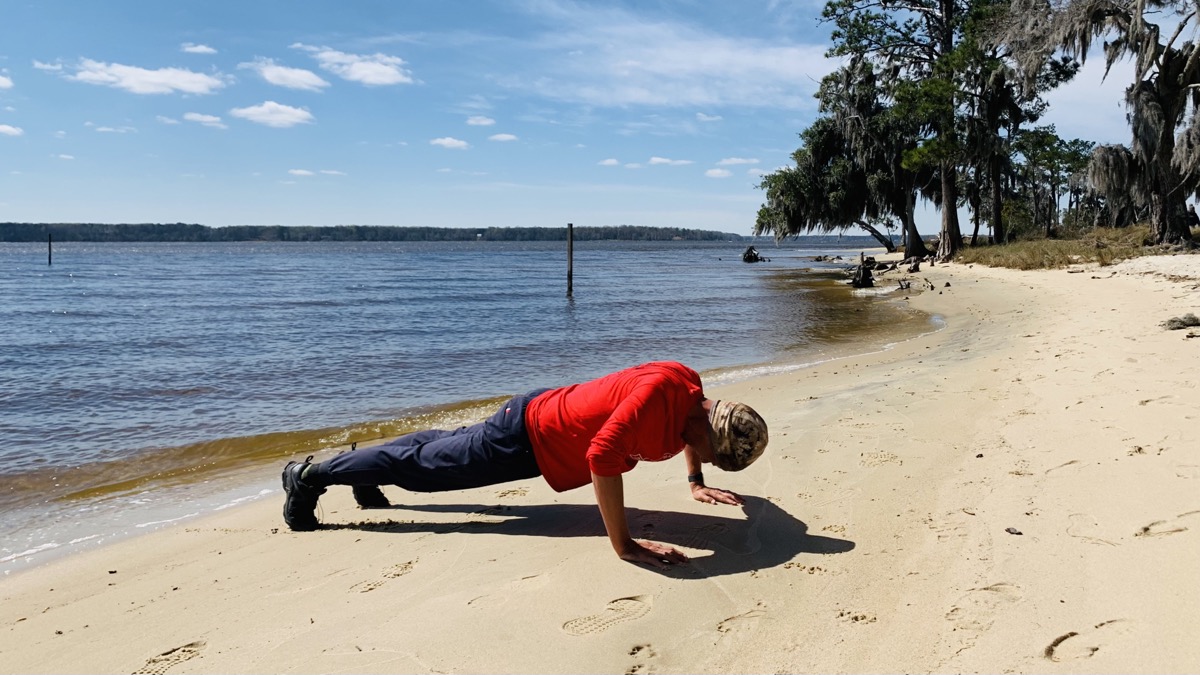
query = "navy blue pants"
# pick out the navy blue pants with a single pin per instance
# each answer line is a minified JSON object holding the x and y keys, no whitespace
{"x":496,"y":450}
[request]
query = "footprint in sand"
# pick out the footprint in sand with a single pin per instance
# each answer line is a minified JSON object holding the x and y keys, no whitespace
{"x":1074,"y":645}
{"x":870,"y":459}
{"x":1085,"y":527}
{"x":741,"y":623}
{"x":1164,"y":527}
{"x":643,"y":657}
{"x":160,"y":664}
{"x":706,"y":537}
{"x":393,"y":572}
{"x":976,"y":610}
{"x":618,"y":611}
{"x":514,"y":492}
{"x":857,"y":618}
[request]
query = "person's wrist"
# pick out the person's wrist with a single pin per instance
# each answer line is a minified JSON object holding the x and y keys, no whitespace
{"x":696,"y":479}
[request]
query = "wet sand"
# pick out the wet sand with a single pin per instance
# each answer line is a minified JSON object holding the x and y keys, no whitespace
{"x":1015,"y":493}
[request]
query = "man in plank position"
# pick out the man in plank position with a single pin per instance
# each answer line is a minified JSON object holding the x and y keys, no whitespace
{"x":583,"y":433}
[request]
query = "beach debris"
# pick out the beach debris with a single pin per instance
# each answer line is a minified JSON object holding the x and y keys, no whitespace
{"x":904,"y":284}
{"x":947,"y":284}
{"x":915,"y":267}
{"x":1012,"y":530}
{"x":1180,"y":322}
{"x":979,"y":456}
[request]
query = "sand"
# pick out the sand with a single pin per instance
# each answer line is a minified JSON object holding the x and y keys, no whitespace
{"x":1019,"y":492}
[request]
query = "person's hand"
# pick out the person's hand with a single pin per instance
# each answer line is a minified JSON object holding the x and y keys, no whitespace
{"x":712,"y":495}
{"x":651,"y":553}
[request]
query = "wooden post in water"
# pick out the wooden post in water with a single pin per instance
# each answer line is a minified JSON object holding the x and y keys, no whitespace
{"x":49,"y":249}
{"x":570,"y":257}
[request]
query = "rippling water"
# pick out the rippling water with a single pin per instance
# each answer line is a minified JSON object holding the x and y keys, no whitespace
{"x":129,"y":370}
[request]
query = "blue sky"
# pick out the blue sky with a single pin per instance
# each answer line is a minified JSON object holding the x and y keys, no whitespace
{"x":420,"y":112}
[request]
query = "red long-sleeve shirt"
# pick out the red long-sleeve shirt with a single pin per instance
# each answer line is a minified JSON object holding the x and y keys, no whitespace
{"x":609,"y":424}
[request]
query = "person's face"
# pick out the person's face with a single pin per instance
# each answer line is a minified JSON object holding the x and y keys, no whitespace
{"x":696,"y":435}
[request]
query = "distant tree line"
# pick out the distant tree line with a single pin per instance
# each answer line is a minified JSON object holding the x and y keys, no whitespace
{"x":185,"y":232}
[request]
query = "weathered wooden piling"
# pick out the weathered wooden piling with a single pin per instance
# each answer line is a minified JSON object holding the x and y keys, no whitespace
{"x":570,"y":258}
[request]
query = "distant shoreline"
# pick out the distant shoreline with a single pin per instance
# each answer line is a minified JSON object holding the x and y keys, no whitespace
{"x":190,"y":232}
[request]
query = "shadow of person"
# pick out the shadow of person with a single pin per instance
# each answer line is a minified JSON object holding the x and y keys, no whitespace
{"x":765,"y":536}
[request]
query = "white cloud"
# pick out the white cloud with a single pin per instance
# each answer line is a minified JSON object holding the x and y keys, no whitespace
{"x":300,"y":172}
{"x":708,"y":118}
{"x":480,"y":121}
{"x":196,"y":49}
{"x":502,"y":137}
{"x":60,"y":134}
{"x":718,"y":173}
{"x":5,"y":82}
{"x":369,"y":69}
{"x":144,"y":81}
{"x":669,"y":162}
{"x":608,"y":162}
{"x":452,"y":143}
{"x":729,"y":161}
{"x":444,"y":170}
{"x":9,"y":130}
{"x":274,"y":114}
{"x":333,"y":172}
{"x":64,"y":156}
{"x":207,"y":120}
{"x":50,"y":67}
{"x":163,"y":119}
{"x":633,"y":165}
{"x":116,"y":130}
{"x":283,"y":76}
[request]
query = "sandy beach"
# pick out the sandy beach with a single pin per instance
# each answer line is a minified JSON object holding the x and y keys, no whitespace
{"x":1019,"y":492}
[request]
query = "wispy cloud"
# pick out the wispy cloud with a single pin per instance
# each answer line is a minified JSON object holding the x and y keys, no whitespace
{"x":207,"y":120}
{"x":480,"y":121}
{"x":333,"y":172}
{"x":608,"y":162}
{"x":452,"y":143}
{"x":64,"y":156}
{"x":502,"y":137}
{"x":611,"y":57}
{"x":669,"y":162}
{"x":163,"y":119}
{"x":708,"y":118}
{"x":300,"y":172}
{"x":138,"y":80}
{"x":718,"y":173}
{"x":274,"y":114}
{"x":283,"y":76}
{"x":731,"y":161}
{"x":116,"y":130}
{"x":191,"y":48}
{"x":369,"y":69}
{"x":9,"y":130}
{"x":49,"y":67}
{"x":6,"y":82}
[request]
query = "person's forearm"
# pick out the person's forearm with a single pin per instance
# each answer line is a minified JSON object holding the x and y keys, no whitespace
{"x":610,"y":496}
{"x":694,"y":466}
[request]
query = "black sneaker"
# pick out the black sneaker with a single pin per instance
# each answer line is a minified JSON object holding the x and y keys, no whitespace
{"x":300,"y":504}
{"x":370,"y":497}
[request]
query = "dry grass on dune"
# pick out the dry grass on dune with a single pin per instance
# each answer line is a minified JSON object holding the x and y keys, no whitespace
{"x":1101,"y":245}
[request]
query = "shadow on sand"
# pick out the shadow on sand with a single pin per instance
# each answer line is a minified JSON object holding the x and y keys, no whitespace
{"x":766,"y":535}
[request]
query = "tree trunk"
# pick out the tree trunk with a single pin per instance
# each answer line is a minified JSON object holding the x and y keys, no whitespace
{"x":913,"y":246}
{"x":998,"y":234}
{"x":886,"y":241}
{"x":950,"y":239}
